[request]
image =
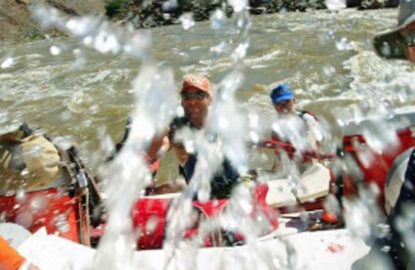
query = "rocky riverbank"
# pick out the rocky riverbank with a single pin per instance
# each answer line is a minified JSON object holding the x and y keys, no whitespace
{"x":16,"y":19}
{"x":17,"y":25}
{"x":158,"y":13}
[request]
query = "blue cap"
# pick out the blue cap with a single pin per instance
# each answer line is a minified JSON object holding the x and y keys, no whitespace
{"x":281,"y":93}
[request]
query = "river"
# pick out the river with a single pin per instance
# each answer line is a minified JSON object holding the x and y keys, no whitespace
{"x":81,"y":96}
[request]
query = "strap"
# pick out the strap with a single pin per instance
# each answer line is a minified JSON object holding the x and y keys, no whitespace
{"x":84,"y":175}
{"x":85,"y":188}
{"x":66,"y":164}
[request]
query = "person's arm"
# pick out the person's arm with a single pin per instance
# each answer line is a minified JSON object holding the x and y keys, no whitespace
{"x":313,"y":131}
{"x":158,"y":145}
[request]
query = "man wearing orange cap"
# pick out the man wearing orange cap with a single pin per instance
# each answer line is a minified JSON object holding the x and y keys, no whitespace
{"x":196,"y":96}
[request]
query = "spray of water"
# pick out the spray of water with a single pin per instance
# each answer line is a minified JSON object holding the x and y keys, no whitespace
{"x":155,"y":105}
{"x":224,"y":135}
{"x":127,"y":175}
{"x":335,"y":4}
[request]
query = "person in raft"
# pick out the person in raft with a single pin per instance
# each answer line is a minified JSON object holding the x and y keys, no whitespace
{"x":294,"y":125}
{"x":196,"y":97}
{"x":395,"y":249}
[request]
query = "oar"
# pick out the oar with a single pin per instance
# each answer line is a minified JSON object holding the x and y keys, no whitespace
{"x":290,"y":149}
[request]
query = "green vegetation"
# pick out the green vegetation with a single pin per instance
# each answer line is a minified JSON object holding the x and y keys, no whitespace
{"x":113,"y":7}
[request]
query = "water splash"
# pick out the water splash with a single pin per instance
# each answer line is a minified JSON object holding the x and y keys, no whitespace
{"x":239,"y":5}
{"x":227,"y":121}
{"x":170,"y":5}
{"x":128,"y":174}
{"x":363,"y":215}
{"x":239,"y":48}
{"x":343,"y":44}
{"x":335,"y":5}
{"x":9,"y":62}
{"x":55,"y":50}
{"x":405,"y":224}
{"x":96,"y":33}
{"x":187,"y":21}
{"x":218,"y":19}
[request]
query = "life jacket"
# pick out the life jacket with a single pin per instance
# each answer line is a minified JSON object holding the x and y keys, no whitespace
{"x":42,"y":185}
{"x":153,"y":164}
{"x":28,"y":160}
{"x":178,"y":123}
{"x":223,"y":181}
{"x":281,"y":145}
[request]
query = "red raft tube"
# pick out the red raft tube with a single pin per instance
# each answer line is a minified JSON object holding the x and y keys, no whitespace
{"x":150,"y":219}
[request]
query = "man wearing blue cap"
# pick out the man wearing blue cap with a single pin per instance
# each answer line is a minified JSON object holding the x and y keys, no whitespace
{"x":283,"y":100}
{"x":396,"y":249}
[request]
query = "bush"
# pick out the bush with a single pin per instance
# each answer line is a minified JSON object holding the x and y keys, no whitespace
{"x":113,"y":7}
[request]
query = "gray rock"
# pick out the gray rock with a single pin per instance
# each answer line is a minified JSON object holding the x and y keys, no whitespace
{"x":16,"y":20}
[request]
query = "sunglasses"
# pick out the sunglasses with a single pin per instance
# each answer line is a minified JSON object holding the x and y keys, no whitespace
{"x":198,"y":95}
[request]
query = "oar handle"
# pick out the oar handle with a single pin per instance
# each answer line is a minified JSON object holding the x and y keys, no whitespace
{"x":290,"y":149}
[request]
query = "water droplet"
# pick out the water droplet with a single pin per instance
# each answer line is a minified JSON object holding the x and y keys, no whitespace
{"x":151,"y":224}
{"x":20,"y":195}
{"x":25,"y":173}
{"x":87,"y":123}
{"x":383,"y":230}
{"x":187,"y":21}
{"x":54,"y":50}
{"x":254,"y":137}
{"x":385,"y":248}
{"x":238,"y":5}
{"x":170,"y":5}
{"x":223,"y":123}
{"x":180,"y":111}
{"x":106,"y":43}
{"x":335,"y":4}
{"x":189,"y":146}
{"x":93,"y":109}
{"x":240,"y":51}
{"x":219,"y":49}
{"x":329,"y":70}
{"x":342,"y":45}
{"x":61,"y":223}
{"x":218,"y":19}
{"x":331,"y":34}
{"x":38,"y":203}
{"x":88,"y":40}
{"x":7,"y":63}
